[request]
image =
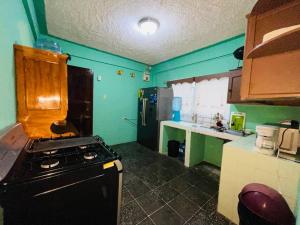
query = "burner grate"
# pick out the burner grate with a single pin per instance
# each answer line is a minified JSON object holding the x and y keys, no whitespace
{"x":51,"y":145}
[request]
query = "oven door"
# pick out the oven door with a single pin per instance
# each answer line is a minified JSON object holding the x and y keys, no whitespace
{"x":67,"y":199}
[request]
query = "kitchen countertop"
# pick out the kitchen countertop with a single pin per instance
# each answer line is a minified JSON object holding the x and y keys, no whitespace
{"x":248,"y":144}
{"x":243,"y":164}
{"x":196,"y":128}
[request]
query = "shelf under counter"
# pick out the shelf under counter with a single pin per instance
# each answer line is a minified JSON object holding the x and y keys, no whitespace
{"x":194,"y":135}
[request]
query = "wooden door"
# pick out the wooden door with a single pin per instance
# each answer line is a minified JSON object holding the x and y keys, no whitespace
{"x":80,"y":96}
{"x":41,"y":85}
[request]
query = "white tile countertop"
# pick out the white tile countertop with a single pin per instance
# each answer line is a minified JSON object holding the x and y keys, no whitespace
{"x":243,"y":164}
{"x":196,"y":128}
{"x":248,"y":144}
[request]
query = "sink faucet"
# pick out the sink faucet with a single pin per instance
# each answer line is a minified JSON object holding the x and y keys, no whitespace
{"x":194,"y":117}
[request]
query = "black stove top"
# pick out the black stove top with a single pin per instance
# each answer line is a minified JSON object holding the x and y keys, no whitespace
{"x":37,"y":163}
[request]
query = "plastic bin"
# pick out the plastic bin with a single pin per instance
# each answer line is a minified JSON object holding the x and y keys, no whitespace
{"x":173,"y":148}
{"x":262,"y":205}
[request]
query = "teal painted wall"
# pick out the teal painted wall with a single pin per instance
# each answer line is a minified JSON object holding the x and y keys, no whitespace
{"x":216,"y":59}
{"x":115,"y":97}
{"x":14,"y":28}
{"x":29,"y":6}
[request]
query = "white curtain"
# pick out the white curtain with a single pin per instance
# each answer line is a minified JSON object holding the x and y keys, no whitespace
{"x":210,"y":99}
{"x":186,"y":92}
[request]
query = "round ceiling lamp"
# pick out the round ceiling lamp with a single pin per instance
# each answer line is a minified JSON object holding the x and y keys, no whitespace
{"x":148,"y":25}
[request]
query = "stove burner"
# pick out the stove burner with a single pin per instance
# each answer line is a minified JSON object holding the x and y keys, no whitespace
{"x":83,"y":147}
{"x":49,"y":163}
{"x":90,"y":155}
{"x":50,"y":152}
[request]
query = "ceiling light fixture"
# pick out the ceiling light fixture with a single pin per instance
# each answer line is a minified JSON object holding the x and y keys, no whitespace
{"x":148,"y":25}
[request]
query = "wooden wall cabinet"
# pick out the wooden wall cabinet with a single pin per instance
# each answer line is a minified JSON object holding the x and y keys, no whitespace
{"x":271,"y":68}
{"x":234,"y":88}
{"x":42,"y":93}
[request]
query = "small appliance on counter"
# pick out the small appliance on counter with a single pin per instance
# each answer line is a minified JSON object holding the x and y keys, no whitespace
{"x":284,"y":137}
{"x":266,"y":139}
{"x":289,"y":137}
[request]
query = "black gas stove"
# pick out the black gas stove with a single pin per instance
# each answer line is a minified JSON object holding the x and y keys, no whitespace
{"x":59,"y":181}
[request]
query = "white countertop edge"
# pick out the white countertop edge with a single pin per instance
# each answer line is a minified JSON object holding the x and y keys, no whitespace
{"x":200,"y":130}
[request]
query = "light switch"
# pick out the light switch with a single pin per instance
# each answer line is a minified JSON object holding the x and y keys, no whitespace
{"x":99,"y":78}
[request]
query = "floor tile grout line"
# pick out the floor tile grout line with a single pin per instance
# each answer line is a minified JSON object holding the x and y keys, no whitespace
{"x":192,"y":216}
{"x":179,"y":213}
{"x":156,"y":188}
{"x":208,"y":200}
{"x":176,"y":212}
{"x":167,"y":203}
{"x":163,"y":183}
{"x":135,"y":199}
{"x":144,"y":211}
{"x":167,"y":183}
{"x":147,"y":217}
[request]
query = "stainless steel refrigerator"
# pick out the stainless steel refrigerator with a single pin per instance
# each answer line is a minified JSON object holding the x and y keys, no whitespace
{"x":154,"y":106}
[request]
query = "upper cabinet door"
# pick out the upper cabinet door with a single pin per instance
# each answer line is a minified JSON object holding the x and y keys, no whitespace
{"x":271,"y":67}
{"x":42,"y":83}
{"x":234,"y":89}
{"x":42,"y":94}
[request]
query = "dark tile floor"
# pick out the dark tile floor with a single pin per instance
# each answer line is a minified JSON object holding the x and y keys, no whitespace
{"x":159,"y":190}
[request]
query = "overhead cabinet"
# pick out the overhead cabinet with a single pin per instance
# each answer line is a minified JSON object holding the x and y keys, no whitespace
{"x":272,"y":52}
{"x":42,"y":93}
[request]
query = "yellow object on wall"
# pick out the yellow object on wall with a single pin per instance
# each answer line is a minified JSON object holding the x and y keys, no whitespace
{"x":120,"y":72}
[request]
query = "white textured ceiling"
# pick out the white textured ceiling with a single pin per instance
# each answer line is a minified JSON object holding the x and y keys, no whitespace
{"x":110,"y":25}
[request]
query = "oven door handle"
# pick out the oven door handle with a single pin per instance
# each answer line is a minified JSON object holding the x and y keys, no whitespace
{"x":68,"y":185}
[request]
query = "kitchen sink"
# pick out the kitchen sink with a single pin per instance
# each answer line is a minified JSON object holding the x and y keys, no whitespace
{"x":233,"y":132}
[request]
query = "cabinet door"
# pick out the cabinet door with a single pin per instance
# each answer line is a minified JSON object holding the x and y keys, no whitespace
{"x":273,"y":76}
{"x":234,"y":89}
{"x":41,"y":84}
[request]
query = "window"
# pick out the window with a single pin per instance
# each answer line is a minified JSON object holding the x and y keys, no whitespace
{"x":186,"y":91}
{"x":204,"y":100}
{"x":211,"y":99}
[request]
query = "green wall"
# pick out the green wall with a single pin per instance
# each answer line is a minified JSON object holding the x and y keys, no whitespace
{"x":115,"y":97}
{"x":14,"y":28}
{"x":216,"y":59}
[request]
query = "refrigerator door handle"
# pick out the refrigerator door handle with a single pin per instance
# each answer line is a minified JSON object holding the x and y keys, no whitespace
{"x":141,"y":113}
{"x":144,"y":112}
